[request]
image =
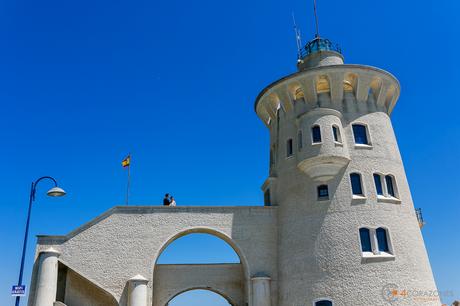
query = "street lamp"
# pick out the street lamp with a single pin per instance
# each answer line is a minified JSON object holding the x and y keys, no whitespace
{"x":53,"y":192}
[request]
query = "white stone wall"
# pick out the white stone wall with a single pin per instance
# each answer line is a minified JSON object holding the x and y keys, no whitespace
{"x":127,"y":241}
{"x":80,"y":291}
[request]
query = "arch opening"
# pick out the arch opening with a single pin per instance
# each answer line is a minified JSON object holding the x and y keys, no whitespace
{"x":323,"y":84}
{"x":222,"y":270}
{"x":199,"y":297}
{"x":198,"y":248}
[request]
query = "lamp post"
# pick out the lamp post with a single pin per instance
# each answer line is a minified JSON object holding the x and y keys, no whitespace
{"x":53,"y":192}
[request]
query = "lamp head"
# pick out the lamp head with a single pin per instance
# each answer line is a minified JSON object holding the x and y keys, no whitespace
{"x":56,"y":192}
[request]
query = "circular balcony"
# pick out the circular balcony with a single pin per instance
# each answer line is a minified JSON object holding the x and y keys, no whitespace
{"x":319,"y":44}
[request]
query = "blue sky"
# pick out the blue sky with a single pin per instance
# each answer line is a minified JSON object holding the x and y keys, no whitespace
{"x":83,"y":83}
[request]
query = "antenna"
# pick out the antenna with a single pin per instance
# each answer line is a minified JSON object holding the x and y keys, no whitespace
{"x":316,"y":18}
{"x":298,"y":38}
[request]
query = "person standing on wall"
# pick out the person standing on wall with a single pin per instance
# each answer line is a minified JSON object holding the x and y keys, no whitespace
{"x":166,"y":200}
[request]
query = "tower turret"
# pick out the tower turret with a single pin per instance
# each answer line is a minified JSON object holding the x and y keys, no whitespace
{"x":346,"y":221}
{"x":315,"y":97}
{"x":319,"y":52}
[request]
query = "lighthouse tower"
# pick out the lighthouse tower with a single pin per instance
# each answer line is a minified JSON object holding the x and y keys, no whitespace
{"x":348,"y":233}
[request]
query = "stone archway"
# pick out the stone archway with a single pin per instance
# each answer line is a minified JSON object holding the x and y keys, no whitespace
{"x":222,"y":294}
{"x":229,"y":280}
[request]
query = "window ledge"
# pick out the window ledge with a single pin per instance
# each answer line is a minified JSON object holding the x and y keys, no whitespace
{"x":323,"y":199}
{"x":384,"y":199}
{"x":363,"y":146}
{"x":358,"y":197}
{"x":290,"y":156}
{"x":316,"y":143}
{"x":368,"y":255}
{"x":338,"y":144}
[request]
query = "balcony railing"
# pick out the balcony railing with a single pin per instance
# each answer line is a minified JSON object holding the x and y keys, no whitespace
{"x":418,"y":212}
{"x":319,"y":44}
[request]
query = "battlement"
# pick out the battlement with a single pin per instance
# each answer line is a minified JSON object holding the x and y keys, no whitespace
{"x":326,"y":87}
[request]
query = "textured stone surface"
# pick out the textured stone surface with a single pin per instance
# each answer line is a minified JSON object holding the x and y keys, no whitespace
{"x":80,"y":291}
{"x":127,"y":241}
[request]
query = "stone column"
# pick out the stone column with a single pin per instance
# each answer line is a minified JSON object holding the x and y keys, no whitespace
{"x":47,"y":278}
{"x":261,"y":291}
{"x":137,"y":291}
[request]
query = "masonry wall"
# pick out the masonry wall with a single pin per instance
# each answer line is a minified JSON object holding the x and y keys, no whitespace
{"x":319,"y":245}
{"x":127,"y":241}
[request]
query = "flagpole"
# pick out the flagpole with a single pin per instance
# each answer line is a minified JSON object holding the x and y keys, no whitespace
{"x":129,"y":180}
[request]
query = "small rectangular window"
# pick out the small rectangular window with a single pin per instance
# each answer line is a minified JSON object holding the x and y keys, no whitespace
{"x":365,"y":237}
{"x":356,"y":186}
{"x":382,"y":239}
{"x":323,"y":192}
{"x":316,"y":134}
{"x":390,"y":187}
{"x":378,"y":184}
{"x":289,"y":150}
{"x":360,"y":134}
{"x":336,"y":133}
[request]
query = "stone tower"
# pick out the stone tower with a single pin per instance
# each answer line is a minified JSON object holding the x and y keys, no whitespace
{"x":348,"y":233}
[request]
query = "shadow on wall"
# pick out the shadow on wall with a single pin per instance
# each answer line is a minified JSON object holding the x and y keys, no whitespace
{"x":75,"y":290}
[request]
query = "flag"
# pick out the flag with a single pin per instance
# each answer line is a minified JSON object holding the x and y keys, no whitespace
{"x":125,"y":162}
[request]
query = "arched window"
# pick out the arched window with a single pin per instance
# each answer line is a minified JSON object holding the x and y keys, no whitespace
{"x":382,"y":240}
{"x":323,"y":303}
{"x":322,"y":84}
{"x":375,"y":242}
{"x":289,"y":149}
{"x":360,"y":134}
{"x":356,"y":185}
{"x":386,"y":189}
{"x":316,"y":134}
{"x":389,"y":180}
{"x":365,"y":237}
{"x":299,"y":140}
{"x":378,"y":184}
{"x":298,"y":94}
{"x":336,"y":133}
{"x":323,"y":192}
